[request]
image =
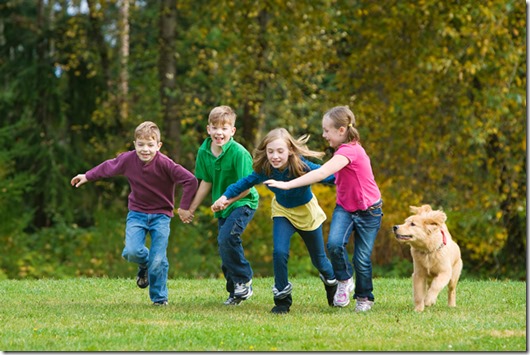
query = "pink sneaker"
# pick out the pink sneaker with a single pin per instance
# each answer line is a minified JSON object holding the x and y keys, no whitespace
{"x":342,"y":296}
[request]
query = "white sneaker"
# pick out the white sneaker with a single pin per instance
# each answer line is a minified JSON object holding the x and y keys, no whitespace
{"x":232,"y":301}
{"x":363,"y":304}
{"x":342,"y":296}
{"x":243,"y":291}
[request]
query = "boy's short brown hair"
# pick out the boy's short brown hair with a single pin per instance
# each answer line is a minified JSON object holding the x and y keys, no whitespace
{"x":147,"y":130}
{"x":222,"y":115}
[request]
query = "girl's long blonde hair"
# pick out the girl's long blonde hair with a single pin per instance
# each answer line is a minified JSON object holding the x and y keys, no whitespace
{"x":297,"y":148}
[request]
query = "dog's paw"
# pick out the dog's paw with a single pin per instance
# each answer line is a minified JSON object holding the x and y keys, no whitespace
{"x":419,"y":308}
{"x":430,"y":301}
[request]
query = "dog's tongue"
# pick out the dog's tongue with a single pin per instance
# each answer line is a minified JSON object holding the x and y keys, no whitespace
{"x":399,"y":236}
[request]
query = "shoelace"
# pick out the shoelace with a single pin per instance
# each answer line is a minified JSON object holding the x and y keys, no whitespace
{"x":342,"y":287}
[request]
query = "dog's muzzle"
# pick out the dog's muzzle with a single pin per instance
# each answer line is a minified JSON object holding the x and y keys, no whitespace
{"x":400,"y":236}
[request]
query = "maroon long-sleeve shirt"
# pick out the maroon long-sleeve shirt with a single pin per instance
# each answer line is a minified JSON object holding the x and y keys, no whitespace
{"x":152,"y":184}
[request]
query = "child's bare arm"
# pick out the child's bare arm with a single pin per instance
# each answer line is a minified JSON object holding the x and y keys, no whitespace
{"x":224,"y":202}
{"x":331,"y":167}
{"x":203,"y":191}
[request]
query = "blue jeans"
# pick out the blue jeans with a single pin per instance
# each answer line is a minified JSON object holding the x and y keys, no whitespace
{"x":236,"y":268}
{"x":283,"y":230}
{"x":136,"y":229}
{"x":365,"y":225}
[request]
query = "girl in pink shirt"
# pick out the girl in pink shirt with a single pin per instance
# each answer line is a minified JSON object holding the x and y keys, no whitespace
{"x":358,"y":208}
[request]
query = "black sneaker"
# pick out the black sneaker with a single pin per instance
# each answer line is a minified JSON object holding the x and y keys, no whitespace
{"x":282,"y":305}
{"x":232,"y":301}
{"x":142,"y":278}
{"x":280,"y":309}
{"x":160,"y":303}
{"x":331,"y":288}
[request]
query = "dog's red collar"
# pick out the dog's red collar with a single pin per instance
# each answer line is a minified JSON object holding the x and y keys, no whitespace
{"x":444,"y":240}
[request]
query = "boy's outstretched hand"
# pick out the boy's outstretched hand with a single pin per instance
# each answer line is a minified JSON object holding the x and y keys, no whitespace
{"x":282,"y":185}
{"x":78,"y":180}
{"x":185,"y":215}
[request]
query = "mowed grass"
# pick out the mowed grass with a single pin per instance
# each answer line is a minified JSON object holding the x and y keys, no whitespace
{"x":102,"y":314}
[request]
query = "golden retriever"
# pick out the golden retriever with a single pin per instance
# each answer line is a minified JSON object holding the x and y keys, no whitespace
{"x":436,"y":257}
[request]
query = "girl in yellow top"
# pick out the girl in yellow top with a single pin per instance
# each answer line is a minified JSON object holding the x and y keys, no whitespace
{"x":281,"y":157}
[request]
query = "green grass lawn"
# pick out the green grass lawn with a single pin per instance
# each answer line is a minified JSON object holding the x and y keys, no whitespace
{"x":101,"y":314}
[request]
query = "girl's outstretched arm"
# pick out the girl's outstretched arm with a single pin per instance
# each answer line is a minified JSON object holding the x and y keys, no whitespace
{"x":331,"y":167}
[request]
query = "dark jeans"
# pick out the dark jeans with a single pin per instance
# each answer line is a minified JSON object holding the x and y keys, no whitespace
{"x":283,"y":230}
{"x":236,"y":268}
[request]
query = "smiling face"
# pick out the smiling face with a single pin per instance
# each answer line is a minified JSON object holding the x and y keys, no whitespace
{"x":221,"y":133}
{"x":334,"y":136}
{"x":146,"y":149}
{"x":278,"y":153}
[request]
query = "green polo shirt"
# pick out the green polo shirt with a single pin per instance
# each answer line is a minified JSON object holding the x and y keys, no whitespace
{"x":234,"y":163}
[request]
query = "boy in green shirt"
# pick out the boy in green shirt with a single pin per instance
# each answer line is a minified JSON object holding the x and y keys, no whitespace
{"x":220,"y":162}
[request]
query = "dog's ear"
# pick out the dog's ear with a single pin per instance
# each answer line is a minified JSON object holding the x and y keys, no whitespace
{"x":414,"y":209}
{"x":426,"y":208}
{"x":435,"y":218}
{"x":422,"y":209}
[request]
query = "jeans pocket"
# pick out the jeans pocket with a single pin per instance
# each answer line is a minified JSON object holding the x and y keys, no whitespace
{"x":376,"y":213}
{"x":242,"y":220}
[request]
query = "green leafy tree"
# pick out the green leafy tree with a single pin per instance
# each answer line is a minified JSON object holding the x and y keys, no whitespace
{"x":438,"y":89}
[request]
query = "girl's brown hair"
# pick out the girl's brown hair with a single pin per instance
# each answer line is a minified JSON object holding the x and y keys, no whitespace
{"x":297,"y":148}
{"x":342,"y":116}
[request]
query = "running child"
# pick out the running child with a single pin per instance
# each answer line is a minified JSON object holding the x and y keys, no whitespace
{"x":220,"y":162}
{"x":279,"y":156}
{"x":358,"y":209}
{"x":152,"y":177}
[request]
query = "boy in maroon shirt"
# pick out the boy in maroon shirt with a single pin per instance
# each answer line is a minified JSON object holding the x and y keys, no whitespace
{"x":152,"y":177}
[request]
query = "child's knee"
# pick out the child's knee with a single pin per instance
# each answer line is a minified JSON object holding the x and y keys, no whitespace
{"x":135,"y":255}
{"x":335,"y":249}
{"x":158,"y":262}
{"x":280,"y":255}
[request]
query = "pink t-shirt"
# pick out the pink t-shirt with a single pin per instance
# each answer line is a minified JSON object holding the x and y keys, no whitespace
{"x":356,"y":186}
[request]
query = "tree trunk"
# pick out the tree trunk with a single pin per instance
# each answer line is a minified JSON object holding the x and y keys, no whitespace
{"x":95,"y":26}
{"x":167,"y":74}
{"x":124,"y":59}
{"x":253,"y":123}
{"x":40,"y":217}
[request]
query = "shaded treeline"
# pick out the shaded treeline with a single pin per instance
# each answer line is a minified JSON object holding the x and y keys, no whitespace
{"x":439,"y":91}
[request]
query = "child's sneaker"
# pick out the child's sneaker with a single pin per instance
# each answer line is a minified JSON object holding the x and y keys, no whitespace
{"x":342,"y":296}
{"x":232,"y":301}
{"x":282,"y":305}
{"x":363,"y":304}
{"x":280,"y":309}
{"x":142,"y":278}
{"x":160,"y":303}
{"x":331,"y":288}
{"x":243,"y":291}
